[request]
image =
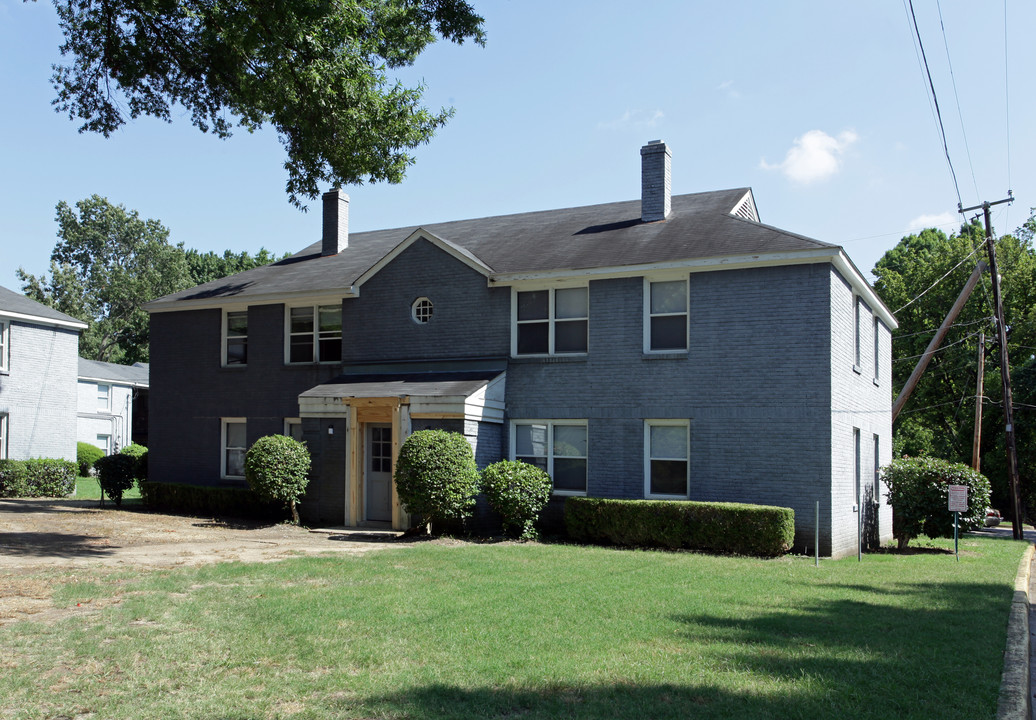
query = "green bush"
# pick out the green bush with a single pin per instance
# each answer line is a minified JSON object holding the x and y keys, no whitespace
{"x":206,"y":501}
{"x":734,"y":528}
{"x":919,"y":496}
{"x":518,"y":491}
{"x":12,"y":479}
{"x":115,"y":475}
{"x":436,"y":476}
{"x":86,"y":456}
{"x":277,"y":469}
{"x":139,"y":453}
{"x":39,"y":477}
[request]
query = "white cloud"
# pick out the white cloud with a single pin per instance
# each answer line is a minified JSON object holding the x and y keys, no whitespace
{"x":937,"y":221}
{"x":727,"y":88}
{"x":634,"y":119}
{"x":813,"y":156}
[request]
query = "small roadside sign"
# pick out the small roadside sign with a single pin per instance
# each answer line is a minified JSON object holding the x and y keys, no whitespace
{"x":958,"y":498}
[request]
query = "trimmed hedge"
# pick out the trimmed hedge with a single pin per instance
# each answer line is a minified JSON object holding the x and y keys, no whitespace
{"x":205,"y":501}
{"x":139,"y":454}
{"x":115,"y":475}
{"x":734,"y":528}
{"x":86,"y":456}
{"x":40,"y":477}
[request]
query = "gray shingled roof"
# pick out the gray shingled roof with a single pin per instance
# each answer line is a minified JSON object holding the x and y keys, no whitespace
{"x":136,"y":375}
{"x":13,"y":302}
{"x":596,"y":236}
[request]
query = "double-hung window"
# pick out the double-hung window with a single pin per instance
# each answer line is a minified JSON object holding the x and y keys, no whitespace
{"x":558,"y":447}
{"x":234,"y":442}
{"x":666,"y":322}
{"x":5,"y":344}
{"x":315,"y":333}
{"x":235,"y":334}
{"x":666,"y":459}
{"x":552,"y":321}
{"x":877,"y":348}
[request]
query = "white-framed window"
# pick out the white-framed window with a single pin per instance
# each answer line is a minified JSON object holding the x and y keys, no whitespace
{"x":105,"y":443}
{"x":666,"y":458}
{"x":877,"y":348}
{"x":552,"y":321}
{"x":314,"y":333}
{"x":3,"y":435}
{"x":558,"y":447}
{"x":858,"y":465}
{"x":665,"y":315}
{"x":104,"y":397}
{"x":421,"y":310}
{"x":293,"y":428}
{"x":877,"y":469}
{"x":235,"y":337}
{"x":5,"y":345}
{"x":233,"y":445}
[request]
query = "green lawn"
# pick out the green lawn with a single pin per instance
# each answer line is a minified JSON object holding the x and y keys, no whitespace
{"x":87,"y":488}
{"x":525,"y":631}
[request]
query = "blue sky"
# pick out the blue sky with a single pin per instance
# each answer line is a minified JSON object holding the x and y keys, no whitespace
{"x":820,"y":107}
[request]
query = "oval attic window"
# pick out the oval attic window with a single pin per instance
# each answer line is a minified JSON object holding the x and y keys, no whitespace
{"x":421,"y":310}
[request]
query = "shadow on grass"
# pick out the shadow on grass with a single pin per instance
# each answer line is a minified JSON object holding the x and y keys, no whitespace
{"x":52,"y":545}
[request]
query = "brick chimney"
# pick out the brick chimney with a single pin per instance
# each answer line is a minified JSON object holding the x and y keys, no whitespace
{"x":336,"y":222}
{"x":655,"y":161}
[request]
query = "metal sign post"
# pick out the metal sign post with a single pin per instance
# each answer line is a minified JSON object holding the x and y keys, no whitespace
{"x":958,"y":503}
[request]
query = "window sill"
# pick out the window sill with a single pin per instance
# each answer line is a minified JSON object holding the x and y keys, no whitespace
{"x":233,"y":367}
{"x":876,"y":382}
{"x":311,"y":363}
{"x":648,"y":496}
{"x":545,"y":359}
{"x":665,"y":355}
{"x":569,"y":493}
{"x":857,"y":369}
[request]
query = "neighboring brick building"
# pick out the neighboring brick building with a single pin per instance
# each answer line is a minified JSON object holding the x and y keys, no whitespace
{"x":670,"y":347}
{"x":39,"y":351}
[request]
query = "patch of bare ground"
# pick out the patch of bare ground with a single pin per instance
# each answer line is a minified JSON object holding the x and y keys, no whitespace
{"x":43,"y":543}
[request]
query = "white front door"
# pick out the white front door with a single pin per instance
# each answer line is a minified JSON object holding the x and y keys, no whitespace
{"x":378,"y":472}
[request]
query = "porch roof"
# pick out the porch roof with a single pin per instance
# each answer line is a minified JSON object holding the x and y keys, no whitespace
{"x":471,"y":394}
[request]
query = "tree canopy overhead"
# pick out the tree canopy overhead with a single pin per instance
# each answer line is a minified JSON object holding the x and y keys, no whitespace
{"x":316,"y":70}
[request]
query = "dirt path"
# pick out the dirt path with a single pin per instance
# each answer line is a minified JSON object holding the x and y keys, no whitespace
{"x":46,"y":540}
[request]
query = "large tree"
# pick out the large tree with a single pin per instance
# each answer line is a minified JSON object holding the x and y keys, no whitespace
{"x":106,"y":264}
{"x":318,"y":71}
{"x":919,"y":279}
{"x":204,"y":267}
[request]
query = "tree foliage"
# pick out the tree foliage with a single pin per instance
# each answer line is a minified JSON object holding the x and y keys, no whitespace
{"x":939,"y":418}
{"x":919,"y":496}
{"x":518,"y":491}
{"x":108,"y":262}
{"x":316,"y":70}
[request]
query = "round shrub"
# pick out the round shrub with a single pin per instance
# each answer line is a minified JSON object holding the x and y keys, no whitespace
{"x":518,"y":491}
{"x":919,"y":496}
{"x":277,"y":469}
{"x":139,"y":453}
{"x":86,"y":456}
{"x":436,"y":476}
{"x":115,"y":474}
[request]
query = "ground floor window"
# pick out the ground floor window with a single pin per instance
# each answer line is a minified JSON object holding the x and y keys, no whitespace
{"x":3,"y":436}
{"x":293,"y":428}
{"x":558,"y":447}
{"x":105,"y":443}
{"x":666,"y":466}
{"x":234,"y":446}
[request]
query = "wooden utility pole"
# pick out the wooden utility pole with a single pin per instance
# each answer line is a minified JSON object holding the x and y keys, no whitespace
{"x":976,"y":444}
{"x":1005,"y":372}
{"x":936,"y":341}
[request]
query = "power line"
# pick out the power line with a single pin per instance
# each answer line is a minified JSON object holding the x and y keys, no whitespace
{"x":912,"y":301}
{"x":1007,"y":108}
{"x":935,"y":99}
{"x":956,"y":97}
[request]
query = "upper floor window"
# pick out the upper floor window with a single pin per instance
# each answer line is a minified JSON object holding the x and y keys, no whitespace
{"x":315,"y":333}
{"x":666,"y":327}
{"x":877,"y":347}
{"x":551,"y":322}
{"x":235,"y":338}
{"x":558,"y":447}
{"x":5,"y":343}
{"x":104,"y":397}
{"x":421,"y":310}
{"x":857,"y":341}
{"x":666,"y":459}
